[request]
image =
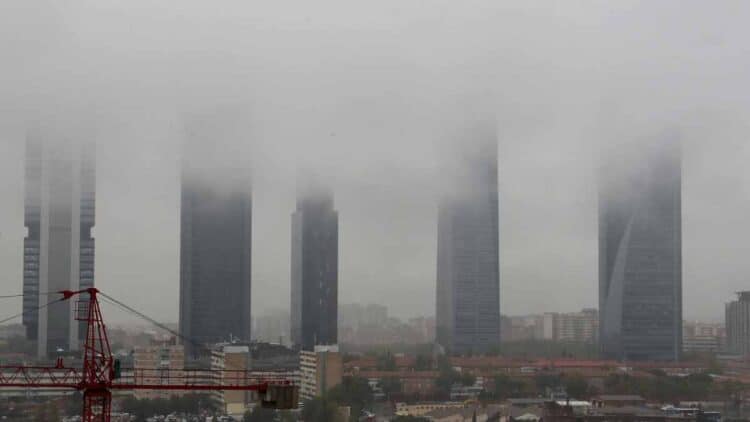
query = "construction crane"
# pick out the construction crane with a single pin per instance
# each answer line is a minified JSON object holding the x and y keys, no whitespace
{"x":100,"y":373}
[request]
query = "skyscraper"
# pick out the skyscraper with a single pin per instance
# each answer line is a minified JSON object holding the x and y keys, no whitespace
{"x":314,"y":267}
{"x":215,"y":244}
{"x":737,"y":320}
{"x":58,"y":247}
{"x":468,"y":273}
{"x":640,"y":252}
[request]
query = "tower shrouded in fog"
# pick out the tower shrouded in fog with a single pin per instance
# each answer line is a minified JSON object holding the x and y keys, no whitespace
{"x":215,"y":241}
{"x":468,"y":272}
{"x":640,"y":252}
{"x":314,"y":267}
{"x":58,"y":247}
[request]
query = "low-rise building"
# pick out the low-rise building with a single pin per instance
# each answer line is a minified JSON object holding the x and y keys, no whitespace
{"x":319,"y":371}
{"x":421,"y":409}
{"x":232,"y":362}
{"x":161,"y":363}
{"x":577,"y":327}
{"x":617,"y":400}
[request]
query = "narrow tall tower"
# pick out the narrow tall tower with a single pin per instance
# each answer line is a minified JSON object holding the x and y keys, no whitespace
{"x":314,"y":267}
{"x":468,"y":272}
{"x":58,"y":247}
{"x":215,"y":242}
{"x":640,"y":252}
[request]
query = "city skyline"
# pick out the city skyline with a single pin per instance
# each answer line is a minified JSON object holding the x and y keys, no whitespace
{"x":365,"y":94}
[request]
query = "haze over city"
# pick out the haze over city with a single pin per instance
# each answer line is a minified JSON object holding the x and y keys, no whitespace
{"x":368,"y":95}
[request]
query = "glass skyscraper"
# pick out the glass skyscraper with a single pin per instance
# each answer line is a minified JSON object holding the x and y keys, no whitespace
{"x":58,"y":247}
{"x":314,"y":269}
{"x":640,"y":252}
{"x":215,"y":245}
{"x":468,"y":273}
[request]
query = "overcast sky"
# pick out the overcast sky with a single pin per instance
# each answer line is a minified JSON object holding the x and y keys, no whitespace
{"x":367,"y":91}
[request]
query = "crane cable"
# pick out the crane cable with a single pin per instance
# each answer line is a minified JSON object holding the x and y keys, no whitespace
{"x":22,"y":295}
{"x":111,"y":300}
{"x":3,"y":321}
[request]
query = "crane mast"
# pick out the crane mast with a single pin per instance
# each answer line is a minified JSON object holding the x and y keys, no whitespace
{"x":100,"y":372}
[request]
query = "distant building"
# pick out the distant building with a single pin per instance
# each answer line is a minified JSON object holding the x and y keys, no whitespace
{"x":468,"y":273}
{"x":320,"y":371}
{"x":272,"y":357}
{"x":215,"y":244}
{"x":574,"y":327}
{"x":355,"y":315}
{"x":273,"y":327}
{"x":737,"y":314}
{"x":640,"y":252}
{"x":160,"y":363}
{"x":58,"y":249}
{"x":523,"y":327}
{"x":12,"y":330}
{"x":314,"y":269}
{"x":577,"y":327}
{"x":701,"y":337}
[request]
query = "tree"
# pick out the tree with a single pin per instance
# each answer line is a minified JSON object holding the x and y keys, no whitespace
{"x":259,"y":414}
{"x":547,"y":381}
{"x":386,"y":362}
{"x":507,"y":387}
{"x":390,"y":385}
{"x":422,"y":363}
{"x":448,"y":376}
{"x":321,"y":409}
{"x":467,"y":379}
{"x":576,"y":386}
{"x":354,"y":392}
{"x":286,"y":416}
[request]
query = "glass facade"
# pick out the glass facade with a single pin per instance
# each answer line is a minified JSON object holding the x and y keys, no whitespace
{"x":60,"y":204}
{"x":640,"y":253}
{"x":314,"y":271}
{"x":468,"y":276}
{"x":215,"y":237}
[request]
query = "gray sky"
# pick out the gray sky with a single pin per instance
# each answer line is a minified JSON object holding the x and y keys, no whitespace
{"x":366,"y":92}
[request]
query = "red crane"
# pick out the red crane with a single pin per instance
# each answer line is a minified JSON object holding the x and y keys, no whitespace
{"x":100,"y":373}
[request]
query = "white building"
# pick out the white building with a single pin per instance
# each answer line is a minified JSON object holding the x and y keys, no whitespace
{"x":579,"y":327}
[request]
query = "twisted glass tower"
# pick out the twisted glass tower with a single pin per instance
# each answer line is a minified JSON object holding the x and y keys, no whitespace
{"x":640,"y":252}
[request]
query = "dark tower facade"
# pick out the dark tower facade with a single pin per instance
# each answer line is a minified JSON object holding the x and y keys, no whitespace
{"x":468,"y":271}
{"x":640,"y":252}
{"x":314,"y":270}
{"x":215,"y":248}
